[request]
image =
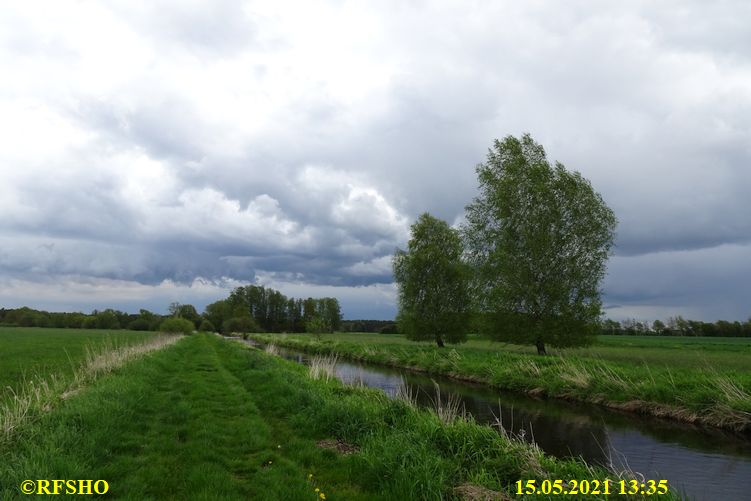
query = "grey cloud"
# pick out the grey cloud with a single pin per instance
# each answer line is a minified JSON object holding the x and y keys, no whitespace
{"x":648,"y":101}
{"x":707,"y":282}
{"x":213,"y":29}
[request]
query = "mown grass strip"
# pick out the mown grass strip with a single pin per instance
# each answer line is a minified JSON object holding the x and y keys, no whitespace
{"x":700,"y":395}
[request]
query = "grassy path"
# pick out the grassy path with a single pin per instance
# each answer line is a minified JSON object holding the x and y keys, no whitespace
{"x":210,"y":419}
{"x":176,"y":425}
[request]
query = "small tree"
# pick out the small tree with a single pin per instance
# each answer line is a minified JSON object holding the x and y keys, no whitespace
{"x":317,"y":325}
{"x":433,"y":284}
{"x":539,"y":237}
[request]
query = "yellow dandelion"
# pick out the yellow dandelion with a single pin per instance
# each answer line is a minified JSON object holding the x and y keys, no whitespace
{"x":317,"y":489}
{"x":322,"y":495}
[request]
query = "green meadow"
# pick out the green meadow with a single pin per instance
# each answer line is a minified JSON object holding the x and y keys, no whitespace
{"x":208,"y":418}
{"x":30,"y":352}
{"x":699,"y":380}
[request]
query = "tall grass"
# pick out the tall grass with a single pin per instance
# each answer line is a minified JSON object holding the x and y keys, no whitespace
{"x":272,"y":349}
{"x":323,"y":367}
{"x":448,"y":409}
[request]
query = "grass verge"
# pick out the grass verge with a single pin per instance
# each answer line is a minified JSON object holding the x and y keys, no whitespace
{"x":703,"y":394}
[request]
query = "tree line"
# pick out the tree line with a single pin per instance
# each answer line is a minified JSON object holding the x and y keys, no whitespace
{"x":97,"y":319}
{"x":251,"y":308}
{"x":676,"y":326}
{"x":254,"y":308}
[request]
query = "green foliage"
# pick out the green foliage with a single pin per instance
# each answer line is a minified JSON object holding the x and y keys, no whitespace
{"x":240,"y":325}
{"x":275,"y":312}
{"x":538,"y":237}
{"x":206,"y":326}
{"x":139,"y":324}
{"x":177,"y":325}
{"x":89,"y":323}
{"x":316,"y":325}
{"x":433,"y":283}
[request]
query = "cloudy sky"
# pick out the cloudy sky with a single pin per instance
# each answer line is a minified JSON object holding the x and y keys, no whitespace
{"x":162,"y":151}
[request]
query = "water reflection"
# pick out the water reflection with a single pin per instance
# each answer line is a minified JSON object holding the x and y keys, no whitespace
{"x":702,"y":464}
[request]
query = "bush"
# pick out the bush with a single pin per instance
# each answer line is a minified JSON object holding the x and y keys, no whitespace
{"x":177,"y":326}
{"x":240,"y":324}
{"x":206,"y":326}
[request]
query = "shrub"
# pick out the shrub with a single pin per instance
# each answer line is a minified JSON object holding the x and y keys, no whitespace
{"x":177,"y":326}
{"x":206,"y":326}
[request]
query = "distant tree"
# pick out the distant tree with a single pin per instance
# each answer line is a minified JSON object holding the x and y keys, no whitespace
{"x":89,"y":322}
{"x":206,"y":326}
{"x":659,"y":327}
{"x":222,"y":310}
{"x":240,"y":325}
{"x":308,"y":309}
{"x":538,"y":237}
{"x":177,"y":325}
{"x":139,"y":324}
{"x":174,"y":309}
{"x":391,"y":328}
{"x":107,"y":319}
{"x":611,"y":327}
{"x":433,"y":283}
{"x":317,"y":326}
{"x":188,"y":312}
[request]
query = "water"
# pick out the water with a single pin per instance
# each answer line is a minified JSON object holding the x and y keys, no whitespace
{"x":699,"y":463}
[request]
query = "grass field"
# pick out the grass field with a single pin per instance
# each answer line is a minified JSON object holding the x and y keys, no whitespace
{"x":27,"y":352}
{"x":211,"y":419}
{"x":703,"y":380}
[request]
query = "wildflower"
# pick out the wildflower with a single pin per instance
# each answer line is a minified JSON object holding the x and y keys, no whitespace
{"x":317,"y":489}
{"x":278,"y":446}
{"x":310,"y":476}
{"x":322,"y":495}
{"x":269,"y":462}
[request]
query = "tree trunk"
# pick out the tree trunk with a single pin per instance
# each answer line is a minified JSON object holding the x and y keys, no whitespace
{"x":541,"y":348}
{"x":439,"y":342}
